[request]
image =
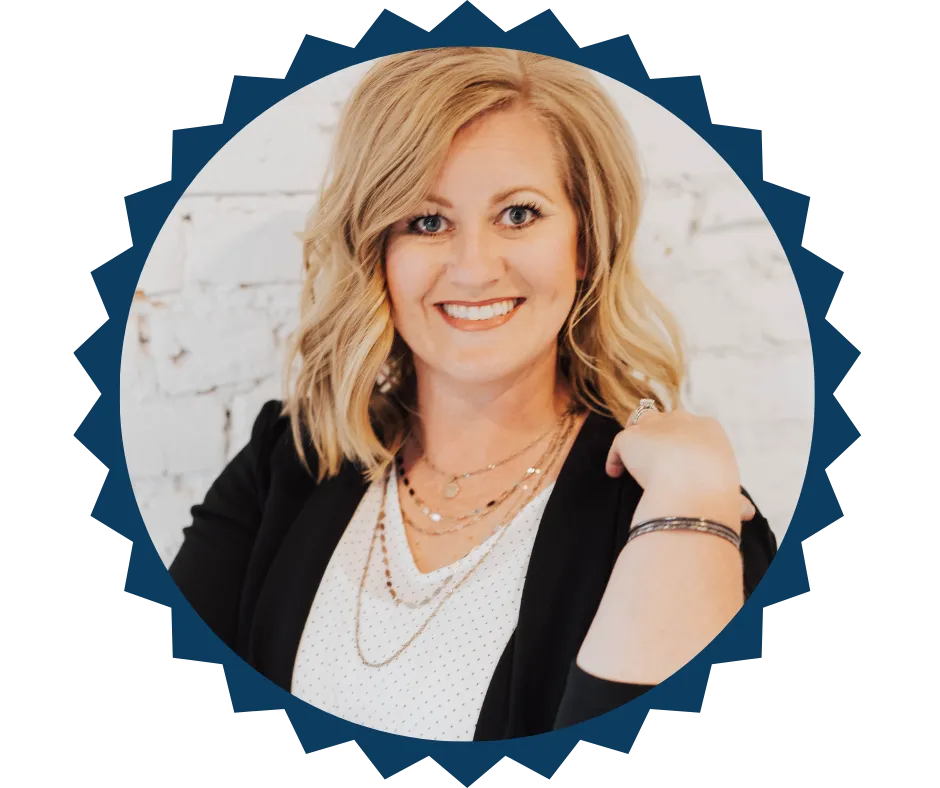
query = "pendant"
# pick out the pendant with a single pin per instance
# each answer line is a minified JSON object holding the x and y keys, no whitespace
{"x":451,"y":489}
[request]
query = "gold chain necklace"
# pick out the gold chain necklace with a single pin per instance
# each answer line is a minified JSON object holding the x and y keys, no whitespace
{"x":452,"y":489}
{"x":557,"y":444}
{"x":463,"y":521}
{"x":504,"y":526}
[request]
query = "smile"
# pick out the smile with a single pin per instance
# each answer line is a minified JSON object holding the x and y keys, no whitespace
{"x":480,"y":316}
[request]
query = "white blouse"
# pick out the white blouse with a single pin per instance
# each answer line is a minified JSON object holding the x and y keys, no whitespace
{"x":435,"y":688}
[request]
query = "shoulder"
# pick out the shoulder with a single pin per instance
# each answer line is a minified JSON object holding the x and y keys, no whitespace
{"x":585,"y":481}
{"x":271,"y":424}
{"x":271,"y":447}
{"x":599,"y":431}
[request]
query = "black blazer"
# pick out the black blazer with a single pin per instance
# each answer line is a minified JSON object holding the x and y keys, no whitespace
{"x":261,"y":540}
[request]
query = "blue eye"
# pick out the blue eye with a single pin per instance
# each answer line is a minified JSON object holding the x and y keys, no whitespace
{"x":432,"y":223}
{"x":517,"y":213}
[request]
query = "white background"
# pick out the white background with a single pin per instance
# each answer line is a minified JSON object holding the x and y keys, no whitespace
{"x":218,"y":299}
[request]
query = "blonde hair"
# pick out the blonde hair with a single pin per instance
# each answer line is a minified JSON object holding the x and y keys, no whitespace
{"x":354,"y":385}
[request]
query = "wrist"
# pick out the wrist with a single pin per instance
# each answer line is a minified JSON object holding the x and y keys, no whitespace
{"x":720,"y":503}
{"x":712,"y":480}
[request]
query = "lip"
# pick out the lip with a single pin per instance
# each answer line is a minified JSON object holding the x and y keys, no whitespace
{"x":482,"y":303}
{"x":462,"y":324}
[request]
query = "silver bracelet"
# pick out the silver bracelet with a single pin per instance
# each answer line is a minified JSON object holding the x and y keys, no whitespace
{"x":699,"y":524}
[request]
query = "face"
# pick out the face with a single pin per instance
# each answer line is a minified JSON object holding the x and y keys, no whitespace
{"x":482,"y":279}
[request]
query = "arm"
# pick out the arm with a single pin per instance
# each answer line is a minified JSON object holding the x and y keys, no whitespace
{"x":669,"y":593}
{"x":210,"y":566}
{"x":668,"y":598}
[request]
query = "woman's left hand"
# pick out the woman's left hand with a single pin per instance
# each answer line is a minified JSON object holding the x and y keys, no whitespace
{"x":677,"y":451}
{"x":669,"y":595}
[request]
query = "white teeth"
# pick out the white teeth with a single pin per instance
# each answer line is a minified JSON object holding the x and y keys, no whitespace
{"x":480,"y":312}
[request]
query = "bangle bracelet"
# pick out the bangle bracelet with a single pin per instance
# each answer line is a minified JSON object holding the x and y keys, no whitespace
{"x":699,"y":524}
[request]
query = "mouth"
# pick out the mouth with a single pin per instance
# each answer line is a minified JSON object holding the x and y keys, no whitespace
{"x":480,"y":315}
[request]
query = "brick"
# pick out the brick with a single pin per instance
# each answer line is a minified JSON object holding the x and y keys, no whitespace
{"x":138,"y":374}
{"x":727,"y":202}
{"x":270,"y":297}
{"x":202,"y":344}
{"x":778,"y":386}
{"x":711,"y":314}
{"x":163,"y":269}
{"x":777,"y":307}
{"x":664,"y":229}
{"x":748,"y":246}
{"x":239,"y":241}
{"x":169,"y":437}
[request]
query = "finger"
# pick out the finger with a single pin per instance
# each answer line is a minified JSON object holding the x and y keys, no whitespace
{"x":747,"y":508}
{"x":646,"y":414}
{"x":614,"y":465}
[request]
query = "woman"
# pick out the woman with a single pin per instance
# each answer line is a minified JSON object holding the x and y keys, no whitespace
{"x":458,"y":525}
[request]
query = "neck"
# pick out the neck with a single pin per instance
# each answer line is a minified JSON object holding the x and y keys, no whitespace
{"x":470,"y":425}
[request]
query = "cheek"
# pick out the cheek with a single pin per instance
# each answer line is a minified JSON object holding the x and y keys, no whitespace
{"x":408,"y":277}
{"x":551,"y":267}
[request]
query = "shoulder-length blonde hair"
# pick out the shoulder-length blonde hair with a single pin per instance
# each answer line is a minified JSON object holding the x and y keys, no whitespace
{"x":354,"y":386}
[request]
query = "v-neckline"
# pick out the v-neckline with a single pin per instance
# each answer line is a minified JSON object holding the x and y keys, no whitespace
{"x":400,"y":548}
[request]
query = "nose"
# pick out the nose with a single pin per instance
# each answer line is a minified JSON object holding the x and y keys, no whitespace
{"x":476,"y":262}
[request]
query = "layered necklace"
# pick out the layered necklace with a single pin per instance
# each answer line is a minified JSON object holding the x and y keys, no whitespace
{"x":452,"y":489}
{"x":448,"y":587}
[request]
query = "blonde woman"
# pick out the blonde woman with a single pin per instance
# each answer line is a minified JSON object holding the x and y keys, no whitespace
{"x":461,"y":524}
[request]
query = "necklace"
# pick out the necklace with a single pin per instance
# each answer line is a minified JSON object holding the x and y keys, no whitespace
{"x":462,"y":521}
{"x":503,"y":528}
{"x":452,"y":488}
{"x":478,"y":513}
{"x":380,"y":526}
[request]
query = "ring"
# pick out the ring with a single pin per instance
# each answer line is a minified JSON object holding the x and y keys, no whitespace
{"x":645,"y":405}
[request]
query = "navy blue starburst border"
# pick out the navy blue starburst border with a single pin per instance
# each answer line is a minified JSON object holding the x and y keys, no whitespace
{"x":147,"y":211}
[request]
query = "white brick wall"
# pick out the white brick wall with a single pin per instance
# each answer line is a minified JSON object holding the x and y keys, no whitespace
{"x":218,"y":297}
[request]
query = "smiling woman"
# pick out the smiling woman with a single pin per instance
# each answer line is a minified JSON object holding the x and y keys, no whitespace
{"x":481,"y":511}
{"x":483,"y":256}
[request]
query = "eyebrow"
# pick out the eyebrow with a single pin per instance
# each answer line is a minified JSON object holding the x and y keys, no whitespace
{"x":498,"y":198}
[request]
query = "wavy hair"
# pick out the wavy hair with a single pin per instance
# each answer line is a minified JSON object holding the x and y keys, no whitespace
{"x":353,"y":376}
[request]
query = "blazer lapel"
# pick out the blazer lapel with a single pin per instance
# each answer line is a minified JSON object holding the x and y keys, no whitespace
{"x":287,"y":595}
{"x":572,"y":557}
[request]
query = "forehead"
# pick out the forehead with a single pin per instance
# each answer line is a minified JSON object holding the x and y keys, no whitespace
{"x":501,"y":148}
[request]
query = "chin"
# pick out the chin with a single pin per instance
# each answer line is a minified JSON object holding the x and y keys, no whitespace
{"x":478,"y":374}
{"x":488,"y":368}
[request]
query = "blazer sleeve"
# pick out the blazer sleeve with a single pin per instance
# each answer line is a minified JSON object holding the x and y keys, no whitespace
{"x":209,"y":568}
{"x":587,"y":696}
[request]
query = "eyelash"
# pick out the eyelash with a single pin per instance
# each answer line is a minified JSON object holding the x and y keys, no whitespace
{"x":531,"y":206}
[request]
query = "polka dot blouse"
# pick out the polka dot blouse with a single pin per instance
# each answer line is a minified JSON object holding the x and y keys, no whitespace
{"x":435,"y":688}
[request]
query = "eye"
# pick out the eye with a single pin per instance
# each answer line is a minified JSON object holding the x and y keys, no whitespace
{"x":523,"y":215}
{"x":430,"y":224}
